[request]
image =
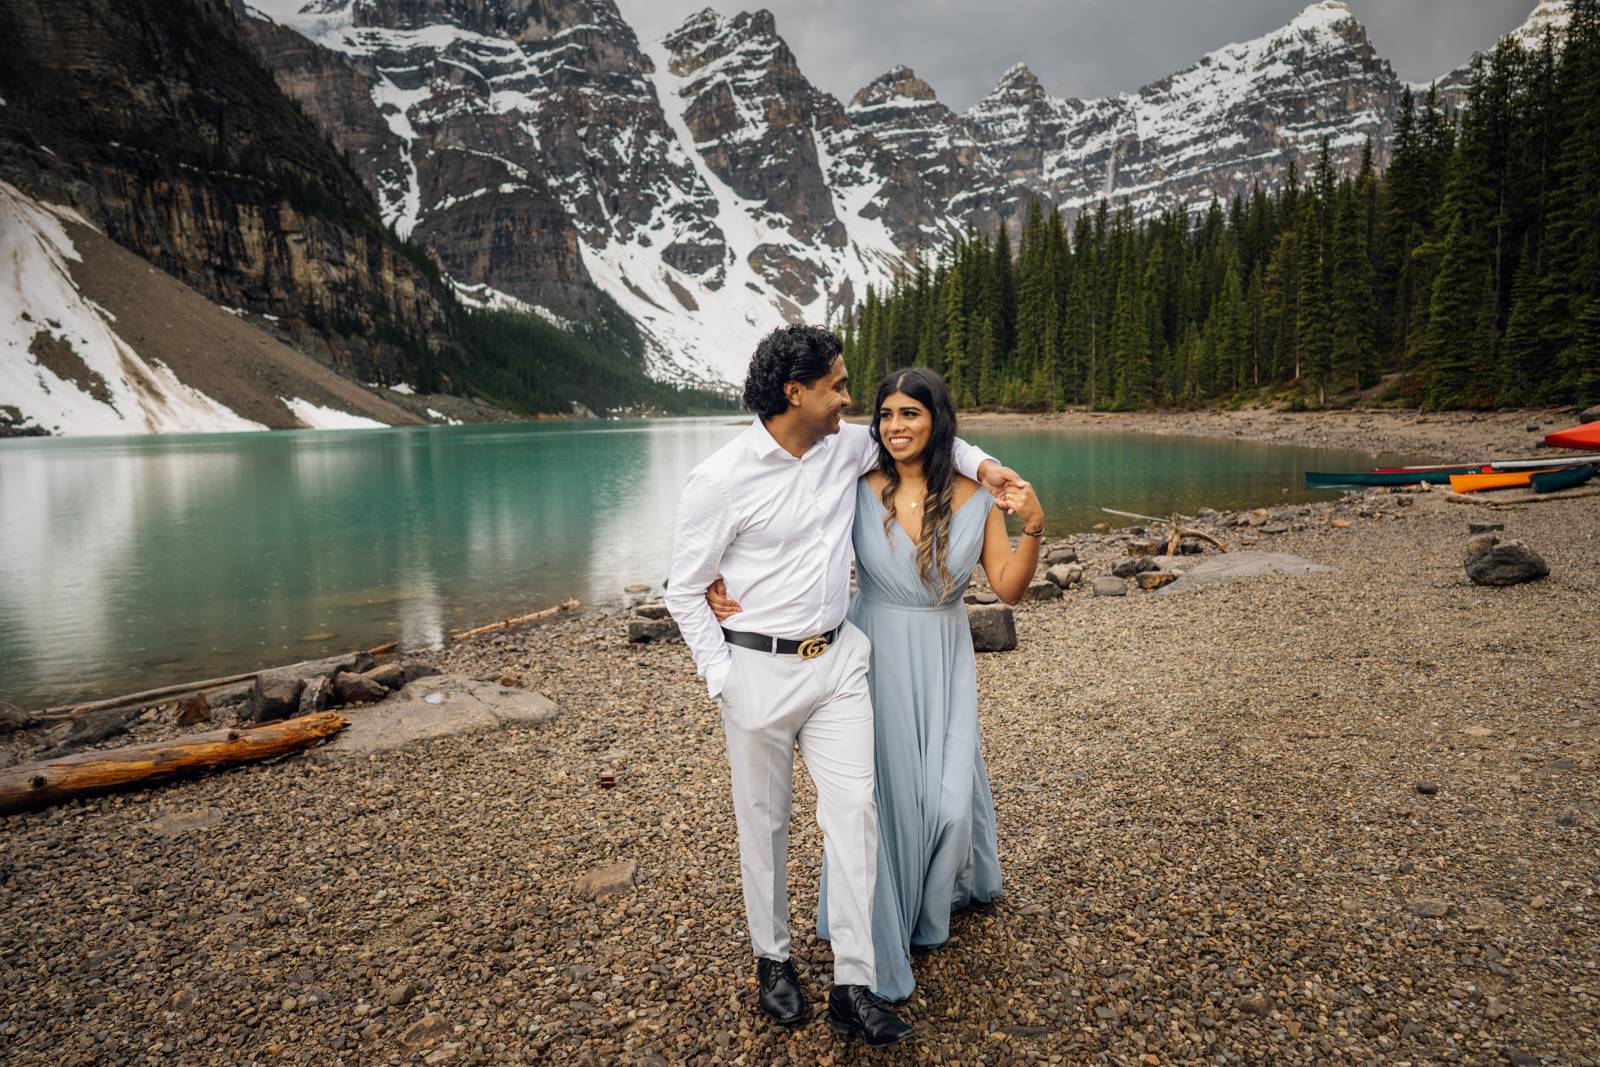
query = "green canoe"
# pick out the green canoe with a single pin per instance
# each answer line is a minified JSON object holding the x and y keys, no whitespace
{"x":1553,"y":481}
{"x":1316,"y":479}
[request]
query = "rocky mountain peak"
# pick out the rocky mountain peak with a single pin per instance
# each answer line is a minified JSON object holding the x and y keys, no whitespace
{"x":898,"y":84}
{"x":1548,"y":16}
{"x":1019,"y":84}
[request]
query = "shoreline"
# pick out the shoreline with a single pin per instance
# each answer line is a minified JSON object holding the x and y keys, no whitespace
{"x":1444,"y":436}
{"x":1447,"y":436}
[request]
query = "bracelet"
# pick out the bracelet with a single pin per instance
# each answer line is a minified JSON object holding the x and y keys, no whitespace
{"x":1039,"y":533}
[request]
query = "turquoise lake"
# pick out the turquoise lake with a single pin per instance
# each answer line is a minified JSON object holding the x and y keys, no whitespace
{"x":133,"y":562}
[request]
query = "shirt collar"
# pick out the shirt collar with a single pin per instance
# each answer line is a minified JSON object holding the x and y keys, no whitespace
{"x":762,"y":443}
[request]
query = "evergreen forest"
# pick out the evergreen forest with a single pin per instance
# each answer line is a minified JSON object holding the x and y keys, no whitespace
{"x":1464,"y":275}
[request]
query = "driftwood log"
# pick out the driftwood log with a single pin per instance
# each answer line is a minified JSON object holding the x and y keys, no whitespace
{"x":37,"y":785}
{"x":1180,"y":531}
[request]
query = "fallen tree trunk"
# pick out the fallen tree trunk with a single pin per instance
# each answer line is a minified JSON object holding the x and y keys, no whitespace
{"x":37,"y":785}
{"x":71,"y":711}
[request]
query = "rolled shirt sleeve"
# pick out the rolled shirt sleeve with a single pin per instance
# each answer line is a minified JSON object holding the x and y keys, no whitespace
{"x":706,"y":525}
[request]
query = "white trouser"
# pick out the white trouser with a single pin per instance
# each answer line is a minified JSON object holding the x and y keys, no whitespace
{"x":770,"y":702}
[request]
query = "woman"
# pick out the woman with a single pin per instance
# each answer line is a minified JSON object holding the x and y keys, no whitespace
{"x":920,"y":529}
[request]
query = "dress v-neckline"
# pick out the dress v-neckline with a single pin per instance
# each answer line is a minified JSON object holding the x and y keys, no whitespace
{"x":907,"y":533}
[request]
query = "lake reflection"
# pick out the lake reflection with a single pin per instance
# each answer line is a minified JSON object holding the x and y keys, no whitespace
{"x":133,"y":562}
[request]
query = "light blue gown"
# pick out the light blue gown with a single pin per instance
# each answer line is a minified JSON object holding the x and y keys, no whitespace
{"x":937,"y":851}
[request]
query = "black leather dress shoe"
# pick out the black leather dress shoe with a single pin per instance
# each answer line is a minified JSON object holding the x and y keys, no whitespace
{"x":854,"y":1012}
{"x":780,"y":994}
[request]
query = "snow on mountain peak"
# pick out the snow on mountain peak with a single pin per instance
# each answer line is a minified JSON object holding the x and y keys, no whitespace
{"x":1018,"y":80}
{"x":1550,"y":16}
{"x":899,"y":82}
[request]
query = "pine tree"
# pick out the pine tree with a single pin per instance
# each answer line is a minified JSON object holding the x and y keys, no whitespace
{"x":987,"y":370}
{"x":1351,"y":301}
{"x":955,"y":344}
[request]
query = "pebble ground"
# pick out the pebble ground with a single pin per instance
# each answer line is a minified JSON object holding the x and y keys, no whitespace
{"x":1328,"y":818}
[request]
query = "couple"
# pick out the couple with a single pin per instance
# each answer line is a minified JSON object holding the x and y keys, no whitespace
{"x":902,"y":796}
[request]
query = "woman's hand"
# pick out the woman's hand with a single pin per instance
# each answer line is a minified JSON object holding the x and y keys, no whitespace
{"x":723,"y":606}
{"x":1020,"y":500}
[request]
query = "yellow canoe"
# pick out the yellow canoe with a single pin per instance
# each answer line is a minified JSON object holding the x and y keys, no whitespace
{"x":1473,"y":483}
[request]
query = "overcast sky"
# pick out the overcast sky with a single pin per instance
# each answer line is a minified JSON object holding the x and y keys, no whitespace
{"x":1075,"y":47}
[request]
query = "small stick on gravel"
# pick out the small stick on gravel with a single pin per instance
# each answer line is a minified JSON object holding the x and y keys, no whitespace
{"x":565,"y":605}
{"x":37,"y":785}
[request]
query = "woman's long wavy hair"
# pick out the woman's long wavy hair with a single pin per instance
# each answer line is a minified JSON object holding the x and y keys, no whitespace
{"x":938,"y":467}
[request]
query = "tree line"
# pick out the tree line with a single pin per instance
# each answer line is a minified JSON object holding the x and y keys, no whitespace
{"x":1467,"y":274}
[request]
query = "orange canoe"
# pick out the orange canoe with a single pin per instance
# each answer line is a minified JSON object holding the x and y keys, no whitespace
{"x":1472,"y":483}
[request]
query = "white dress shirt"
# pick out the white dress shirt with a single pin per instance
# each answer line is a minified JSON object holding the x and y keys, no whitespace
{"x":777,"y":529}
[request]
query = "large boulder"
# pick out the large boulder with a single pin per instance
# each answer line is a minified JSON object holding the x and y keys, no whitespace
{"x":1502,"y":563}
{"x":1155,"y":579}
{"x":317,"y":695}
{"x":414,"y":669}
{"x":1589,"y":415}
{"x":193,"y":709}
{"x":1134,"y":565}
{"x":13,"y":718}
{"x":994,"y":627}
{"x":1042,"y":589}
{"x":352,"y":688}
{"x":1065,"y":575}
{"x":276,"y":694}
{"x":389,"y":675}
{"x":1062,"y":554}
{"x":1109,"y":586}
{"x":652,"y":631}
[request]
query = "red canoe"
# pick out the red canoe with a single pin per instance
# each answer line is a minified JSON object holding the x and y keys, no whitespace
{"x":1585,"y":436}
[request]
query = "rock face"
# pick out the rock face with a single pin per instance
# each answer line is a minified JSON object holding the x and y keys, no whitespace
{"x":158,"y":127}
{"x":1493,"y":562}
{"x":541,"y":151}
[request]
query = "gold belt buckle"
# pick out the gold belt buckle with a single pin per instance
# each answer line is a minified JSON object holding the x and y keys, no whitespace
{"x":812,"y":647}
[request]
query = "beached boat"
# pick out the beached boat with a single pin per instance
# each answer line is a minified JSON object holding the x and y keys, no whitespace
{"x":1585,"y":436}
{"x":1476,"y":483}
{"x":1440,"y":474}
{"x":1566,"y":478}
{"x":1324,"y":479}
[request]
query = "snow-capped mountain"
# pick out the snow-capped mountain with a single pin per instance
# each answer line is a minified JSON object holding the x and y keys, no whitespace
{"x":1549,"y":17}
{"x":1238,"y":116}
{"x":545,"y":154}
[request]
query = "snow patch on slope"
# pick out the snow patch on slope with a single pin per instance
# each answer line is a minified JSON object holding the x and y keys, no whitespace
{"x":317,"y":417}
{"x":62,"y":365}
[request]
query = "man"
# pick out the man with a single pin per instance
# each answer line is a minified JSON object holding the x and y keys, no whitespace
{"x":771,"y":513}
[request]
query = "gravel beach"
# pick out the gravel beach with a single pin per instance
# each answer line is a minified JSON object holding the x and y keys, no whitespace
{"x":1348,"y":816}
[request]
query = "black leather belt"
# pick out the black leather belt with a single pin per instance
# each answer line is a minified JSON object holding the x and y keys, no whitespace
{"x":805,"y":648}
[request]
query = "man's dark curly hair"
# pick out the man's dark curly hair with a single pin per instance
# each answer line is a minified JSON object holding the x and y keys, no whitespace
{"x":788,"y":354}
